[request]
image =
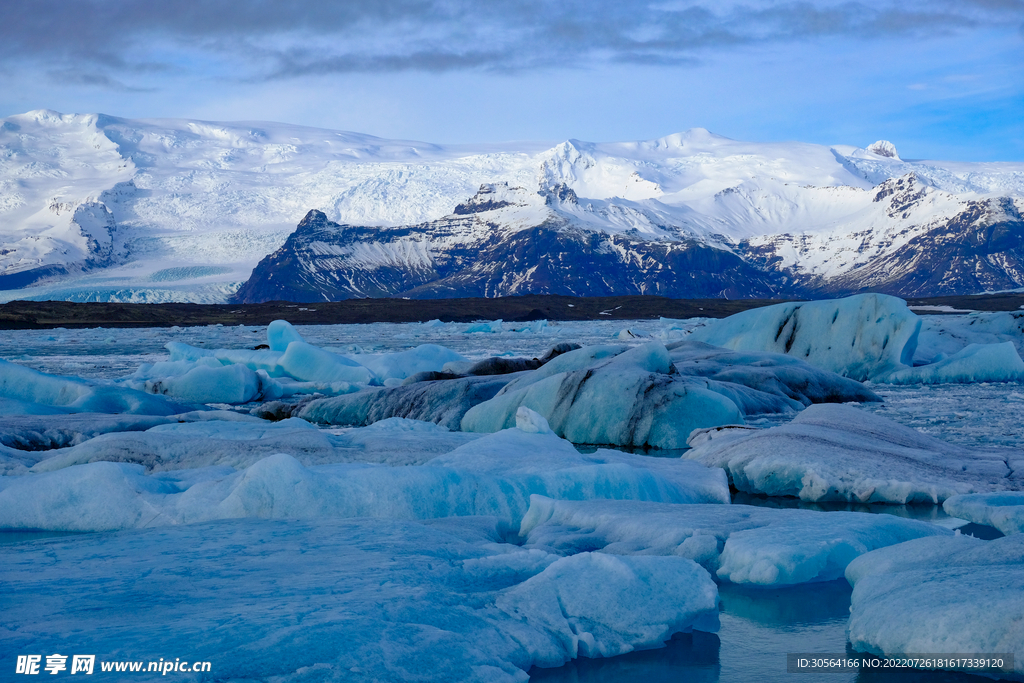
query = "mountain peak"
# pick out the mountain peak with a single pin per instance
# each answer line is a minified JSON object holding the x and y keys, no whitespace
{"x":883,"y":148}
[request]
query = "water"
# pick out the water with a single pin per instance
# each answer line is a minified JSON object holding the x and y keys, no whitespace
{"x":760,"y":626}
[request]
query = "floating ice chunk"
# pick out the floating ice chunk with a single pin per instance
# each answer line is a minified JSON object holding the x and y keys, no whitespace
{"x":281,"y":333}
{"x":948,"y":595}
{"x":764,"y":382}
{"x":45,"y":432}
{"x":402,"y":364}
{"x":945,"y":335}
{"x":560,"y":602}
{"x":548,"y":459}
{"x":494,"y":475}
{"x":244,"y":440}
{"x":530,"y":422}
{"x":1004,"y":511}
{"x":12,"y":406}
{"x":838,"y":452}
{"x":628,"y":399}
{"x":737,"y":543}
{"x":221,"y":384}
{"x":312,"y":364}
{"x":380,"y":628}
{"x":492,"y":327}
{"x":102,"y":496}
{"x":975,"y":363}
{"x":444,"y":402}
{"x":862,"y":337}
{"x":78,"y":395}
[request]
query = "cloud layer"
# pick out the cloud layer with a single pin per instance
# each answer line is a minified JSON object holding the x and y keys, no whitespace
{"x":122,"y":44}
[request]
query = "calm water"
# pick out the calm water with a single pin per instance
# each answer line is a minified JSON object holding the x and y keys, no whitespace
{"x":759,"y":627}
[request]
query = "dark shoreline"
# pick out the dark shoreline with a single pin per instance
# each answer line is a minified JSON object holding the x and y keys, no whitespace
{"x":50,"y":314}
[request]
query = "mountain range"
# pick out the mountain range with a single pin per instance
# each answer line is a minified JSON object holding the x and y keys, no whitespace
{"x":94,"y":207}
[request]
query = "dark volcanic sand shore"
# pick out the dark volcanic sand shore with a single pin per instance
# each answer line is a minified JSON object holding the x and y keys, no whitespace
{"x":50,"y":314}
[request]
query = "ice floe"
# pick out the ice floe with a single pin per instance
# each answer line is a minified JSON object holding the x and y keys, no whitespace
{"x":31,"y":388}
{"x":604,"y":395}
{"x":1004,"y":511}
{"x":839,"y":452}
{"x":736,"y":543}
{"x":371,"y":600}
{"x":493,"y":475}
{"x":940,"y":595}
{"x":864,"y":337}
{"x":237,"y":441}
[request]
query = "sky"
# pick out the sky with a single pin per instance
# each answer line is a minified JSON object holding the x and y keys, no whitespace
{"x":941,"y":79}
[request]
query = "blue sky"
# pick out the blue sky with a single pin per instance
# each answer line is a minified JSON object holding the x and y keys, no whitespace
{"x":941,"y":79}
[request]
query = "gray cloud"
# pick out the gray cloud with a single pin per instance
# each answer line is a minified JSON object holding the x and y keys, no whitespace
{"x":104,"y":42}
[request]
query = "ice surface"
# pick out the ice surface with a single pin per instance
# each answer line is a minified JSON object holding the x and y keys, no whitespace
{"x":940,"y":595}
{"x":736,"y":543}
{"x":79,"y":395}
{"x":494,"y":475}
{"x":1004,"y":511}
{"x":444,"y":402}
{"x":944,"y":335}
{"x":446,"y":601}
{"x":281,"y":333}
{"x":244,"y":440}
{"x":43,"y":432}
{"x":839,"y":452}
{"x":866,"y":337}
{"x":974,"y":363}
{"x":765,"y":382}
{"x":603,"y":395}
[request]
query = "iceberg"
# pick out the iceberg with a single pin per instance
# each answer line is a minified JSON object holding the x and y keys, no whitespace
{"x":835,"y":452}
{"x":604,"y":395}
{"x":1004,"y":511}
{"x":736,"y":543}
{"x":861,"y":337}
{"x":493,"y":475}
{"x":78,"y":395}
{"x":442,"y":401}
{"x":973,"y":363}
{"x":764,"y":382}
{"x":432,"y":602}
{"x":237,"y":441}
{"x":940,"y":595}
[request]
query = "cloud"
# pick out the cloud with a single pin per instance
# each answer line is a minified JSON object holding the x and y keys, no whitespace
{"x":95,"y":80}
{"x":281,"y":39}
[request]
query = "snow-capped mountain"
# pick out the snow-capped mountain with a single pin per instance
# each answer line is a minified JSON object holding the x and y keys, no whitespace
{"x":94,"y":207}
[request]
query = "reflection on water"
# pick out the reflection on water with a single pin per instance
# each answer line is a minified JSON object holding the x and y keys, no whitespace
{"x":692,"y":657}
{"x":759,"y":627}
{"x":927,"y":513}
